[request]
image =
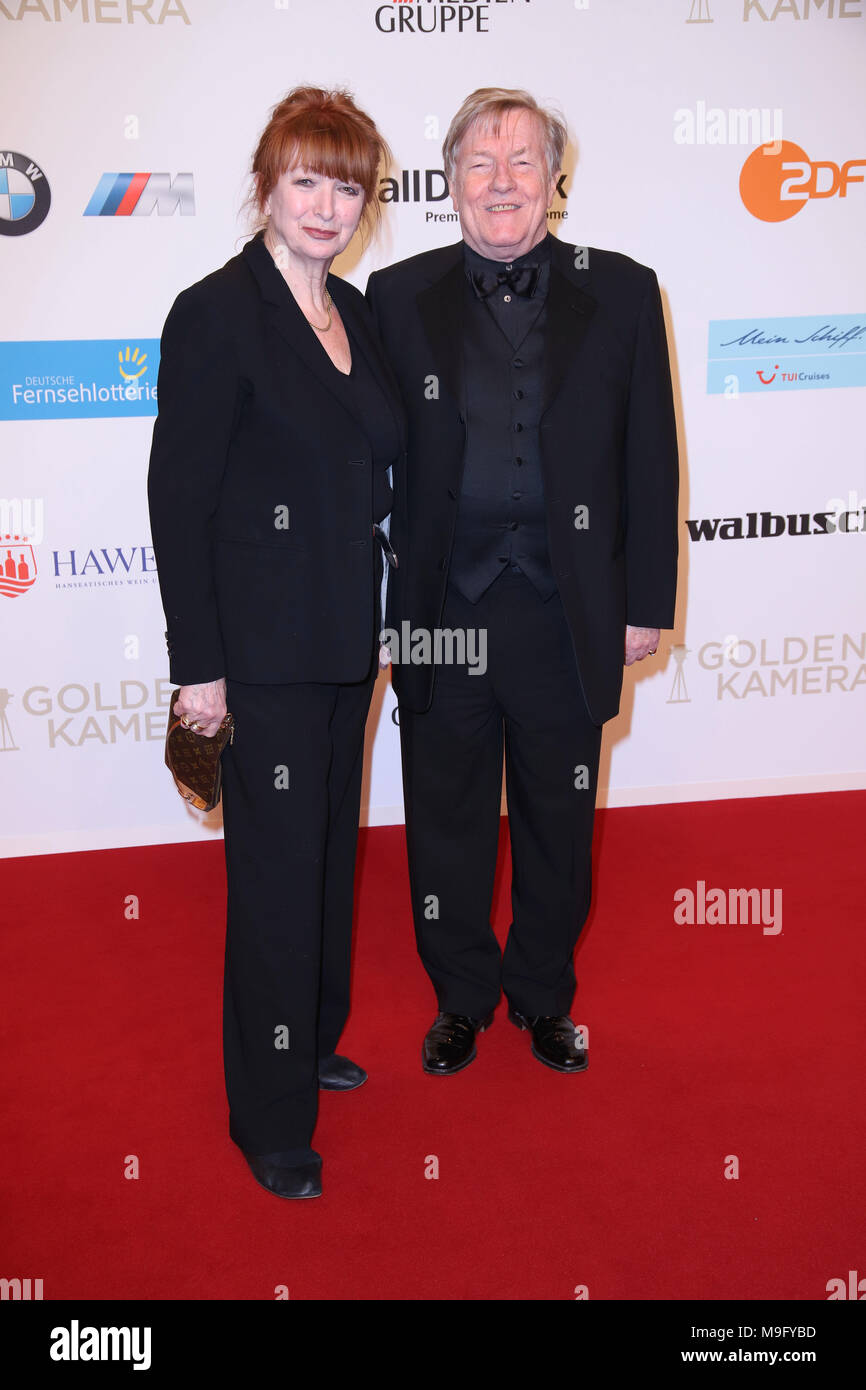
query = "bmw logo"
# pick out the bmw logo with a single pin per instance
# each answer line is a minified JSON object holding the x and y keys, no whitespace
{"x":24,"y":194}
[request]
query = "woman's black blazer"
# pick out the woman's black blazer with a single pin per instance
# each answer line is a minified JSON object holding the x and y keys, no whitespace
{"x":261,"y":485}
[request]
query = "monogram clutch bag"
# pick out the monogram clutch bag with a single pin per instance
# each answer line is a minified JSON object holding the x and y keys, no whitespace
{"x":195,"y":761}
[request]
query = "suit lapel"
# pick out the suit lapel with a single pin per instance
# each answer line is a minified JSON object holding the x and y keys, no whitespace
{"x":569,"y":312}
{"x":441,"y":308}
{"x":282,"y":309}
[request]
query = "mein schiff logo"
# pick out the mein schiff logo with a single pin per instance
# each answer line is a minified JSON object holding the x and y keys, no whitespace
{"x":786,"y":354}
{"x":437,"y":17}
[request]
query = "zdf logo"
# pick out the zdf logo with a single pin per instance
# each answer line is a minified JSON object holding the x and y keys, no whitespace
{"x":778,"y":180}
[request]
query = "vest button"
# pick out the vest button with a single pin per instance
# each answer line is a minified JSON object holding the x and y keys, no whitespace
{"x":512,"y":525}
{"x":518,"y":427}
{"x":518,"y":362}
{"x":518,"y":394}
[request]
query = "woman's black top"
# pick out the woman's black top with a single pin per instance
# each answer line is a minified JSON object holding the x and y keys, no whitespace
{"x":361,"y":394}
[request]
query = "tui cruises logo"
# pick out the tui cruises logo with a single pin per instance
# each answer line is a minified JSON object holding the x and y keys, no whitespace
{"x":439,"y":17}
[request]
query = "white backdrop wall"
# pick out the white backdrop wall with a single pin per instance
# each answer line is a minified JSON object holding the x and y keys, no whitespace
{"x":760,"y":687}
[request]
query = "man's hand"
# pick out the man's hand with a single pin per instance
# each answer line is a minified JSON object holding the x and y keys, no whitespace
{"x":640,"y":642}
{"x":203,"y":706}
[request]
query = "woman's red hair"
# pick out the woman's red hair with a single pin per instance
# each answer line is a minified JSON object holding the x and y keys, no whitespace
{"x":325,"y":132}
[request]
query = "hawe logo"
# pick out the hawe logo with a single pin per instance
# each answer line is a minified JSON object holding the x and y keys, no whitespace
{"x":17,"y":566}
{"x":106,"y":567}
{"x":24,"y":194}
{"x":778,"y":180}
{"x":137,"y":195}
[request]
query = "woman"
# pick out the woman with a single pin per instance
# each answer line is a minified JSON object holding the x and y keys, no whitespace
{"x":278,"y":422}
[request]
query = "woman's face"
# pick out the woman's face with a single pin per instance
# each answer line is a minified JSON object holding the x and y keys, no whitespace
{"x":313,"y":216}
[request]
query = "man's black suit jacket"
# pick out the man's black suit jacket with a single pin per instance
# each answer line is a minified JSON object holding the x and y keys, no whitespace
{"x":608,"y":443}
{"x":261,"y":485}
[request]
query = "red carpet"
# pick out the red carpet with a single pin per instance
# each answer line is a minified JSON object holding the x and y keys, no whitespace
{"x":705,"y":1041}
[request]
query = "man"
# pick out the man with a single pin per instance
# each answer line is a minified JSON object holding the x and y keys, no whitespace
{"x":537,"y":516}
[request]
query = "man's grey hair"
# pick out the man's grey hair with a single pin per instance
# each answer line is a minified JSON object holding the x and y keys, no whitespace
{"x":486,"y":108}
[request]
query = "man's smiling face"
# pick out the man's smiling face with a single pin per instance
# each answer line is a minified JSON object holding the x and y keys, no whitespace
{"x":502,"y":188}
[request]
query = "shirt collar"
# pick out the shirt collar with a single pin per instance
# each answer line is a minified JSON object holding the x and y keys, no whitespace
{"x":538,"y":255}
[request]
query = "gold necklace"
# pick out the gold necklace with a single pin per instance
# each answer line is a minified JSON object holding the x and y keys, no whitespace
{"x":329,"y":306}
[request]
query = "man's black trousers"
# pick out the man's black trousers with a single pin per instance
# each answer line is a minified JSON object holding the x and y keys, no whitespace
{"x":529,"y":704}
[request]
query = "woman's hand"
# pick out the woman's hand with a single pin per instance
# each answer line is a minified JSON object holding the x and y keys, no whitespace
{"x":202,"y":707}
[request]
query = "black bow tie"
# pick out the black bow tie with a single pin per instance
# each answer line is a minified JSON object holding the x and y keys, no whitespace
{"x":522,"y":281}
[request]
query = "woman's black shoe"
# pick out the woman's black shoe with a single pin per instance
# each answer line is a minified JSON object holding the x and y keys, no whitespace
{"x":337,"y":1073}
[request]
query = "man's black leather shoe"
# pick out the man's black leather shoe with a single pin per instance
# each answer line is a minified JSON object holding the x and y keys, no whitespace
{"x":554,"y":1040}
{"x":450,"y":1044}
{"x":337,"y":1073}
{"x":281,"y":1174}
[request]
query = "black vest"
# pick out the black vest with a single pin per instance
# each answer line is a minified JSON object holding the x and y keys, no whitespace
{"x":500,"y":519}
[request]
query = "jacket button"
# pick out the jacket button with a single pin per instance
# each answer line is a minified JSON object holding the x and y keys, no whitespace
{"x":441,"y":564}
{"x":452,"y":494}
